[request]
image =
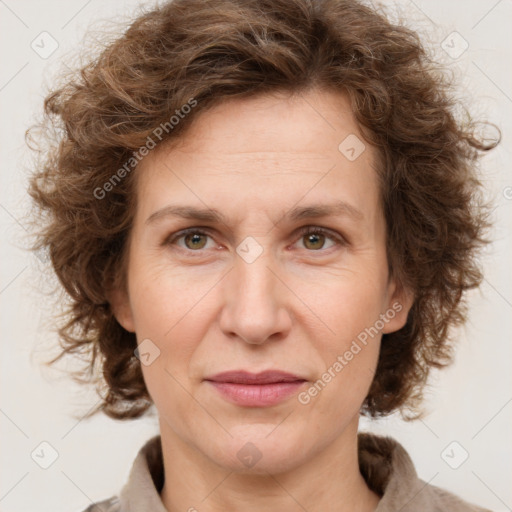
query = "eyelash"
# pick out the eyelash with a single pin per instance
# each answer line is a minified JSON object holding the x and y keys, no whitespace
{"x":306,"y":230}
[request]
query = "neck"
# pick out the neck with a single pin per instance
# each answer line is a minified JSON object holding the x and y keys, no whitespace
{"x":330,"y":480}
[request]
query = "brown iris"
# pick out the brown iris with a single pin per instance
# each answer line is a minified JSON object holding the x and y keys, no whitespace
{"x":196,"y":240}
{"x":317,"y":240}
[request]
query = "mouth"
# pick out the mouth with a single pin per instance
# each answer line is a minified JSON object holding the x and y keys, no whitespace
{"x":262,"y":389}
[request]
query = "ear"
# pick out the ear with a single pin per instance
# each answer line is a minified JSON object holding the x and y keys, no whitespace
{"x":399,"y":304}
{"x":121,"y":307}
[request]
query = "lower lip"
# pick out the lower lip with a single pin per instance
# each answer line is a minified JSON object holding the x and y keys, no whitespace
{"x":257,"y":395}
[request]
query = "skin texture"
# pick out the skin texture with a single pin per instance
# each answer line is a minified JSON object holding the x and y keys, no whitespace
{"x":296,"y":307}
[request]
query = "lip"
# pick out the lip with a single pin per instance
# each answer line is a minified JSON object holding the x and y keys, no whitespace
{"x":262,"y":389}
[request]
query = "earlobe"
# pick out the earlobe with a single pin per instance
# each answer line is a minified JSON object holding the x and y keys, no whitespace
{"x":399,"y":306}
{"x":121,"y":308}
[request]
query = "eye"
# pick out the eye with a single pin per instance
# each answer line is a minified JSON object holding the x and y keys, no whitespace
{"x":193,"y":239}
{"x":314,"y":238}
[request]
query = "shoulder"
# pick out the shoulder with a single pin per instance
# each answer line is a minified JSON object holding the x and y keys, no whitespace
{"x":141,"y":491}
{"x":109,"y":505}
{"x":390,"y":472}
{"x":442,"y":499}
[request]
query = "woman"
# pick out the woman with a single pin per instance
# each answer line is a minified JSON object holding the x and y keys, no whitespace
{"x":266,"y":214}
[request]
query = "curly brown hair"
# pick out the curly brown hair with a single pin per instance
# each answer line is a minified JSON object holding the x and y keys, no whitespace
{"x":101,"y":116}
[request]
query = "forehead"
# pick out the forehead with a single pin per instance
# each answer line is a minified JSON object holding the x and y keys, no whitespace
{"x":264,"y":152}
{"x":276,"y":122}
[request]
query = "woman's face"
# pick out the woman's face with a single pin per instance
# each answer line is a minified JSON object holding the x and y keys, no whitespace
{"x":246,"y":291}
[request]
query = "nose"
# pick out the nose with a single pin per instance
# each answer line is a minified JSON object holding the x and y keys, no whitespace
{"x":255,"y":308}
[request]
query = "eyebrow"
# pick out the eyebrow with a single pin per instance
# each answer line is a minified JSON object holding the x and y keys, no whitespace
{"x":339,"y":208}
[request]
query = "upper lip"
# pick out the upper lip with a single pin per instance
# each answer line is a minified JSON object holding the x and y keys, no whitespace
{"x":265,"y":377}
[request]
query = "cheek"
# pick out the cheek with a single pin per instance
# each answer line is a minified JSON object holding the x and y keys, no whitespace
{"x":349,"y":359}
{"x":162,"y":294}
{"x":344,"y":304}
{"x":173,"y":309}
{"x":349,"y":310}
{"x":176,"y":330}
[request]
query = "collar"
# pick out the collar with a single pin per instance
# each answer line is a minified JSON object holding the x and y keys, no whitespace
{"x":384,"y":464}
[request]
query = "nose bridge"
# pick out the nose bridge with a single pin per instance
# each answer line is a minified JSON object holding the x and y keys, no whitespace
{"x":256,"y":280}
{"x":253,"y":309}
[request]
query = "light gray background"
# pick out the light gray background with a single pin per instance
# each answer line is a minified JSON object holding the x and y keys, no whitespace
{"x":470,"y":403}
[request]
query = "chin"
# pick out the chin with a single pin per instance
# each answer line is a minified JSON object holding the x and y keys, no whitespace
{"x":260,"y":449}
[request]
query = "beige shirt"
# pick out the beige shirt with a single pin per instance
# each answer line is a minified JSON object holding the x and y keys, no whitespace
{"x":385,"y":465}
